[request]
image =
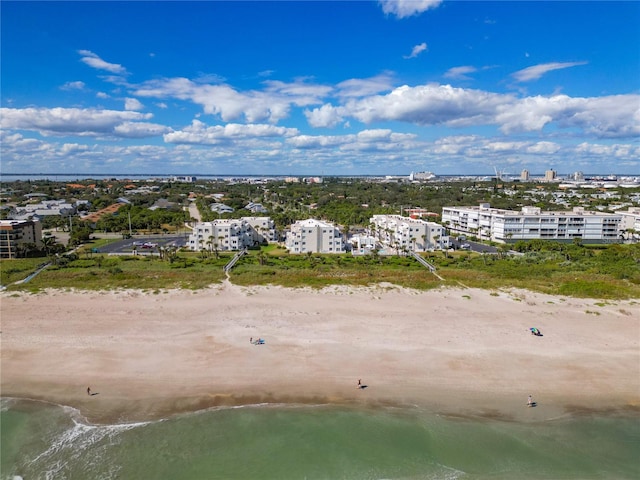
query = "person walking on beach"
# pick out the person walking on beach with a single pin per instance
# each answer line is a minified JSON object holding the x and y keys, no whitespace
{"x":359,"y":383}
{"x":530,"y":401}
{"x":88,"y":390}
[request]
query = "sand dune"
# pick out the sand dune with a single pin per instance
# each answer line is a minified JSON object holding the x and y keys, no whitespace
{"x":456,"y":351}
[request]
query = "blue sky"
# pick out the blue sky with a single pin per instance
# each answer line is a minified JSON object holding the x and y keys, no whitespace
{"x":320,"y":88}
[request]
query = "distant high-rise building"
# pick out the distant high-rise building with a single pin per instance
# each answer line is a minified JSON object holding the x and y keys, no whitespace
{"x":578,"y":176}
{"x":524,"y":175}
{"x":549,"y":176}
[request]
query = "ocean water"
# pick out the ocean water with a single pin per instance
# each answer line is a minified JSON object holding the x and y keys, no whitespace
{"x":43,"y":441}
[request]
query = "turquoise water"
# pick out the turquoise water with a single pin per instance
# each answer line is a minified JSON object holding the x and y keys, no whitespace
{"x":41,"y":441}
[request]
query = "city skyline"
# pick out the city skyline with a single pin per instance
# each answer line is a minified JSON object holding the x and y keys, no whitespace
{"x":311,"y":88}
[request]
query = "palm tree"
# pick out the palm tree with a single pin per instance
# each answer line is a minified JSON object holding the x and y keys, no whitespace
{"x":48,"y":241}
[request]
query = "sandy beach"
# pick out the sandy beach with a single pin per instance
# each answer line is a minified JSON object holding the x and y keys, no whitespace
{"x":455,"y":351}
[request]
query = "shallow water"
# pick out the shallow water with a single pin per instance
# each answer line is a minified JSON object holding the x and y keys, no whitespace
{"x":41,"y":441}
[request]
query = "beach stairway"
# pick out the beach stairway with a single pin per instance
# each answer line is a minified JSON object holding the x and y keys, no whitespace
{"x":421,"y":260}
{"x":234,"y":260}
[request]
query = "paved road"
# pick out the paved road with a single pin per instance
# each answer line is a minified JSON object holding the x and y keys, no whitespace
{"x":126,"y":246}
{"x":194,"y":212}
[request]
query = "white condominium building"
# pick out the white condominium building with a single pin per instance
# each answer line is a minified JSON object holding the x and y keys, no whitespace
{"x":508,"y":226}
{"x":314,"y":236}
{"x":630,"y":222}
{"x":16,"y":236}
{"x":409,"y":233}
{"x":232,"y":234}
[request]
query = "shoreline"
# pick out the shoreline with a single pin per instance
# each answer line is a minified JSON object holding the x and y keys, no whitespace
{"x":461,"y":352}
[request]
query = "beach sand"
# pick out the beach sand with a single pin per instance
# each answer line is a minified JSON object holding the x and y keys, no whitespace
{"x":464,"y":352}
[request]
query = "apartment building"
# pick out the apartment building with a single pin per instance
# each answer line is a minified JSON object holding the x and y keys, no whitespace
{"x":232,"y":234}
{"x":508,"y":226}
{"x":630,"y":222}
{"x":408,"y":233}
{"x":314,"y":236}
{"x":16,"y":234}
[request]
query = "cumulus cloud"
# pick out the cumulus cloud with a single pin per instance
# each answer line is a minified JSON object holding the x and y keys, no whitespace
{"x":372,"y":140}
{"x":133,"y":104}
{"x":417,"y":50}
{"x":94,"y":61}
{"x":605,"y":117}
{"x":72,"y":148}
{"x":230,"y":104}
{"x":621,"y":151}
{"x":407,"y":8}
{"x":536,"y":71}
{"x":428,"y":105}
{"x":200,"y":133}
{"x":325,"y":116}
{"x":69,"y":121}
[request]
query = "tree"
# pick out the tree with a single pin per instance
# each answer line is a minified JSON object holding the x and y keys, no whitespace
{"x":48,"y":242}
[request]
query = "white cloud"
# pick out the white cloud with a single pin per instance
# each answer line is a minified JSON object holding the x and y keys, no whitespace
{"x":68,"y":121}
{"x":608,"y":151}
{"x":132,"y":104}
{"x":200,"y":133}
{"x":78,"y":85}
{"x":407,"y":8}
{"x":139,"y":130}
{"x":460,"y":73}
{"x":299,"y":92}
{"x":361,"y":87}
{"x":546,"y":148}
{"x":605,"y":117}
{"x":417,"y":50}
{"x":428,"y":105}
{"x":317,"y":141}
{"x":536,"y":71}
{"x":325,"y":116}
{"x":94,"y":61}
{"x":226,"y":102}
{"x":72,"y":148}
